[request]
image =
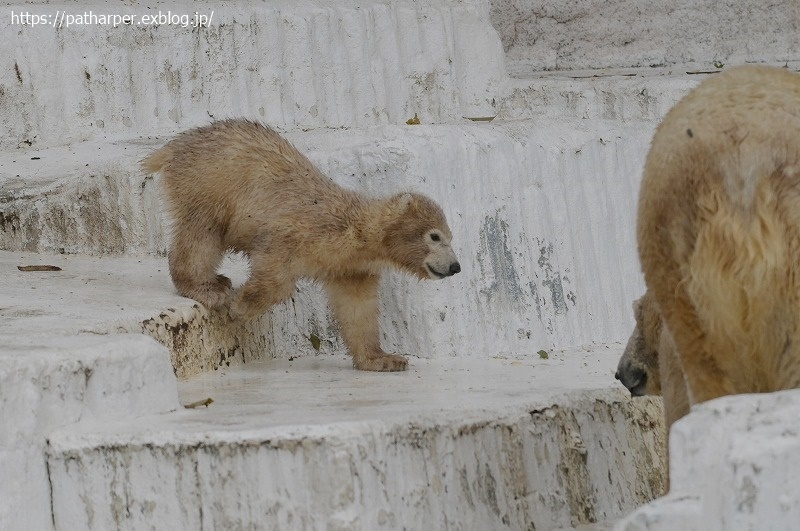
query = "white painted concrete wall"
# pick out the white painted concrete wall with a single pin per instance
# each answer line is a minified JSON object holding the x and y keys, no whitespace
{"x":295,"y":65}
{"x":538,"y":210}
{"x":368,"y":67}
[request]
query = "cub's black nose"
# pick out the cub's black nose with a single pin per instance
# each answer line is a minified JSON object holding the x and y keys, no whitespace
{"x":455,"y":267}
{"x":634,"y":378}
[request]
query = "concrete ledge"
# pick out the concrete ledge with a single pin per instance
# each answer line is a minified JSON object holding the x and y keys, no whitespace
{"x":310,"y":443}
{"x":95,"y":295}
{"x":48,"y":383}
{"x":555,"y":35}
{"x":668,"y":513}
{"x":734,"y":464}
{"x":623,"y":95}
{"x":86,"y":198}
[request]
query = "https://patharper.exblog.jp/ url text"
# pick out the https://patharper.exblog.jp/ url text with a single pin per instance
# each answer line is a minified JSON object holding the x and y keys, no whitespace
{"x":66,"y":19}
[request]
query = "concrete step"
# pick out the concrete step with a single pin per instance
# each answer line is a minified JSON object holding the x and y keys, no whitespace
{"x":497,"y":443}
{"x":48,"y":381}
{"x":624,"y":95}
{"x":296,"y":65}
{"x":745,"y":479}
{"x":355,"y":63}
{"x":555,"y":35}
{"x":96,"y":299}
{"x":90,"y":197}
{"x":124,"y":295}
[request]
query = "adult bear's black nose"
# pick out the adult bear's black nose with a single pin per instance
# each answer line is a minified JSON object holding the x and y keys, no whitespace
{"x":455,"y":267}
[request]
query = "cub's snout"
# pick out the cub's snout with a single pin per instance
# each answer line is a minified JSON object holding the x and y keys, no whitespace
{"x":632,"y":377}
{"x":448,"y":271}
{"x":638,"y":369}
{"x":441,"y":261}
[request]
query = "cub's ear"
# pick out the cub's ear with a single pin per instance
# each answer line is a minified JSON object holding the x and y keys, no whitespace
{"x":399,"y":204}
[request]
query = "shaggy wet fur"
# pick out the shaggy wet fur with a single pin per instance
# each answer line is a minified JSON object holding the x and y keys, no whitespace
{"x":719,"y":239}
{"x":238,"y":185}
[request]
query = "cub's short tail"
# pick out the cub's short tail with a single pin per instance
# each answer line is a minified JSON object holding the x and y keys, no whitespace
{"x":156,"y":160}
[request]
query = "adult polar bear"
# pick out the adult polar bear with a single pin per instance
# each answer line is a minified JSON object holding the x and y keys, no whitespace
{"x":719,"y":241}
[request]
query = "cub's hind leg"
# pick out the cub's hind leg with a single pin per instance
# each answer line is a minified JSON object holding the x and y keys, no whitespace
{"x":194,"y":256}
{"x":270,"y":282}
{"x":354,"y":301}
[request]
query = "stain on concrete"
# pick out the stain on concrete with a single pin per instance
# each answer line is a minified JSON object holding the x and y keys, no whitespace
{"x":9,"y":221}
{"x":571,"y":297}
{"x":426,"y":81}
{"x":464,"y":484}
{"x":489,"y":489}
{"x":748,"y":495}
{"x":552,"y":279}
{"x":648,"y":104}
{"x":200,"y":340}
{"x":579,"y":443}
{"x":16,"y":314}
{"x":496,"y":262}
{"x":172,"y":78}
{"x":535,"y":294}
{"x":609,"y":105}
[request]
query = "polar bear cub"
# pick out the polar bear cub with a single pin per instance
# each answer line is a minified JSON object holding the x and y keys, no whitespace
{"x":238,"y":185}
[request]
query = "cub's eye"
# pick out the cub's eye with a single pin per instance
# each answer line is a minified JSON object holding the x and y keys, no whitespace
{"x":435,"y":237}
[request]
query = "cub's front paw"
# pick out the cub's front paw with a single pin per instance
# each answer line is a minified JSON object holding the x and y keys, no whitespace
{"x":381,"y":363}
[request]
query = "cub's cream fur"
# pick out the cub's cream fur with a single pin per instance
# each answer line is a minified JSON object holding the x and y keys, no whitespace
{"x":238,"y":185}
{"x":650,"y":364}
{"x":719,"y":241}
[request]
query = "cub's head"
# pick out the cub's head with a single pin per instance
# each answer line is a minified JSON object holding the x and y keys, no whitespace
{"x":638,"y":368}
{"x":417,"y":238}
